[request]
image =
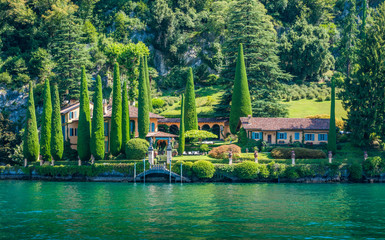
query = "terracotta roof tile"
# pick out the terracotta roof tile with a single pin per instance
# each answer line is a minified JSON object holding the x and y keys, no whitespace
{"x":201,"y":120}
{"x":160,"y":134}
{"x":277,"y":124}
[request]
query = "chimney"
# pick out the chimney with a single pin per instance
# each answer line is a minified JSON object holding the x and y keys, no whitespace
{"x":249,"y":116}
{"x":105,"y":105}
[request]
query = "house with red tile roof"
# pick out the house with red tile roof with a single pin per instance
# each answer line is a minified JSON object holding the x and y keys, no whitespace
{"x":70,"y":119}
{"x":286,"y":130}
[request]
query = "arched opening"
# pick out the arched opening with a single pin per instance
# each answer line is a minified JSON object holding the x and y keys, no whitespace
{"x":206,"y":127}
{"x":163,"y":128}
{"x":174,"y":129}
{"x":216,"y":130}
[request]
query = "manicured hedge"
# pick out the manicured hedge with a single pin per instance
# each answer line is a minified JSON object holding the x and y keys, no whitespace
{"x":304,"y":153}
{"x":186,"y":168}
{"x":246,"y":170}
{"x":203,"y":169}
{"x":136,"y":148}
{"x":222,"y":152}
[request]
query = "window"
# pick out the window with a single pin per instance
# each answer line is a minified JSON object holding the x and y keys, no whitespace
{"x":63,"y":119}
{"x":282,"y":135}
{"x":76,"y":131}
{"x":309,"y":137}
{"x":256,"y":135}
{"x":152,"y":127}
{"x":322,"y":137}
{"x":63,"y":129}
{"x":71,"y":132}
{"x":296,"y":136}
{"x":76,"y":115}
{"x":71,"y":115}
{"x":106,"y":129}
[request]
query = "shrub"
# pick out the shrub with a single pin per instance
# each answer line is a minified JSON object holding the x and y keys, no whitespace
{"x":222,"y":152}
{"x":204,"y":148}
{"x":276,"y":170}
{"x":305,"y":171}
{"x":242,"y":136}
{"x":246,"y":170}
{"x":252,"y":144}
{"x":158,"y":103}
{"x":186,"y":168}
{"x":291,"y":172}
{"x":320,"y":98}
{"x":373,"y":166}
{"x":310,"y":96}
{"x":355,"y":172}
{"x":327,"y":98}
{"x":300,"y":153}
{"x":203,"y":169}
{"x":136,"y":148}
{"x":263,"y":171}
{"x":295,"y":97}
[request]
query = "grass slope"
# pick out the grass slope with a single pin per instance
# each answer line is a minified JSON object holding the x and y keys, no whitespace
{"x":206,"y":99}
{"x":304,"y":107}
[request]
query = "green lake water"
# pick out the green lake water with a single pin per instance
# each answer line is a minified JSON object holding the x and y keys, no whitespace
{"x":86,"y":210}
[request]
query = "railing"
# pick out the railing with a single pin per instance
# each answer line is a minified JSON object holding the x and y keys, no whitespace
{"x":158,"y":167}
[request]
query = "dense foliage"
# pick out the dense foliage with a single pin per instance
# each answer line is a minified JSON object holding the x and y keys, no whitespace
{"x":332,"y":136}
{"x":116,"y":114}
{"x":190,"y":111}
{"x":181,"y":141}
{"x":136,"y":149}
{"x":203,"y":169}
{"x":143,"y":105}
{"x":45,"y":135}
{"x":246,"y":170}
{"x":97,"y":134}
{"x":222,"y":152}
{"x":31,"y":137}
{"x":57,"y":141}
{"x":240,"y":103}
{"x":300,"y":153}
{"x":125,"y":117}
{"x":84,"y":125}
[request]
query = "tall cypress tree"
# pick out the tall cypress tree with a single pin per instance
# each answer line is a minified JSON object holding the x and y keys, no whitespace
{"x":190,"y":111}
{"x":125,"y":117}
{"x":84,"y":125}
{"x":148,"y":84}
{"x":45,"y":137}
{"x":31,"y":136}
{"x":241,"y":103}
{"x":116,"y":115}
{"x":97,"y":134}
{"x":249,"y":24}
{"x":181,"y":131}
{"x":332,"y":137}
{"x":57,"y":141}
{"x":143,"y":111}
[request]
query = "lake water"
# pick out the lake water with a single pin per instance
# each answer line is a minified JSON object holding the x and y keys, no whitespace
{"x":86,"y":210}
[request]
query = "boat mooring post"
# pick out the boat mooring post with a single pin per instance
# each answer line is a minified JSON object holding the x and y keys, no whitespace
{"x":181,"y":173}
{"x":134,"y":172}
{"x":144,"y":170}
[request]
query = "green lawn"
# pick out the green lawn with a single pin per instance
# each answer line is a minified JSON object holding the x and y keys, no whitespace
{"x":206,"y":100}
{"x":304,"y":107}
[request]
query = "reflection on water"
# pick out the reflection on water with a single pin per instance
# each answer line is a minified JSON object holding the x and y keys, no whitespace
{"x":59,"y":210}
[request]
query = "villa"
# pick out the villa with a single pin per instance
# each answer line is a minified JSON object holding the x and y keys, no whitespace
{"x":70,"y":119}
{"x":286,"y":130}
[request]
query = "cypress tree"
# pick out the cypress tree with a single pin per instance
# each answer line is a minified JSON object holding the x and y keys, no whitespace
{"x":148,"y":84}
{"x":332,"y":138}
{"x":84,"y":125}
{"x":125,"y":118}
{"x":45,"y":137}
{"x":190,"y":111}
{"x":57,"y":141}
{"x":241,"y":103}
{"x":97,"y":134}
{"x":181,"y":131}
{"x":116,"y":116}
{"x":31,"y":137}
{"x":143,"y":112}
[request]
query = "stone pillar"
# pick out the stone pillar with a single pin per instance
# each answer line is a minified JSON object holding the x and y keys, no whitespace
{"x":52,"y":161}
{"x":230,"y":157}
{"x":79,"y":161}
{"x":151,"y":153}
{"x":330,"y":155}
{"x":25,"y":162}
{"x":256,"y":156}
{"x":92,"y":159}
{"x":292,"y":158}
{"x":169,"y":153}
{"x":365,"y":155}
